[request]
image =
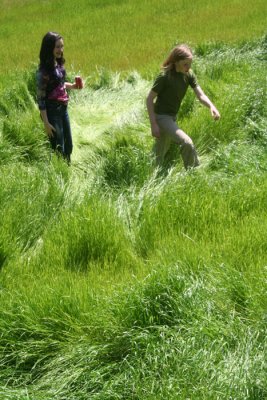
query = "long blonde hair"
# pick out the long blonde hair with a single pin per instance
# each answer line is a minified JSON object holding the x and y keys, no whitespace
{"x":180,"y":52}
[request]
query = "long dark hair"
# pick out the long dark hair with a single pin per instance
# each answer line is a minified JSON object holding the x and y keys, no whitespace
{"x":46,"y":53}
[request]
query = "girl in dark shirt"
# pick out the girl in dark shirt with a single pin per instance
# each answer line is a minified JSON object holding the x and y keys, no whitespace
{"x":169,"y":90}
{"x":52,"y":96}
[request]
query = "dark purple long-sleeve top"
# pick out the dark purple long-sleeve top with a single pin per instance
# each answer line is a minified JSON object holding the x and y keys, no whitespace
{"x":51,"y":86}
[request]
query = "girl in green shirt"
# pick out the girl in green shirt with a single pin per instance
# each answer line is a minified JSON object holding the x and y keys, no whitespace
{"x":164,"y":100}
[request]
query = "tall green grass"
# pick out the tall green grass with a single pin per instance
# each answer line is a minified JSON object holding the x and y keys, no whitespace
{"x":119,"y":280}
{"x":122,"y":35}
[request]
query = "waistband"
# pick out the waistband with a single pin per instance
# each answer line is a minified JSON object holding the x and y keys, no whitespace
{"x":174,"y":117}
{"x":56,"y":103}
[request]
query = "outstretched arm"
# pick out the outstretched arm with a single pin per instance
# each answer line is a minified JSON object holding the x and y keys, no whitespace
{"x":203,"y":98}
{"x":150,"y":109}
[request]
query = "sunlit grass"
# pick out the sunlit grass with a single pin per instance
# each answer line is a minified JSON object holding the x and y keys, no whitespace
{"x":119,"y":280}
{"x":120,"y":35}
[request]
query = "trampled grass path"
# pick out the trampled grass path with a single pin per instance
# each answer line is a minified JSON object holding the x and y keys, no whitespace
{"x":94,"y":113}
{"x":125,"y":283}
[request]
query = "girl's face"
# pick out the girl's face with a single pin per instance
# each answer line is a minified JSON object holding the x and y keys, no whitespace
{"x":58,"y":49}
{"x":183,"y":65}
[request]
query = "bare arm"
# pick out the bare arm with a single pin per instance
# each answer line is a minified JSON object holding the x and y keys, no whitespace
{"x":203,"y":98}
{"x":150,"y":109}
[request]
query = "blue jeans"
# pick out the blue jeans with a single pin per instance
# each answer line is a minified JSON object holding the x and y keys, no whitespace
{"x":61,"y":141}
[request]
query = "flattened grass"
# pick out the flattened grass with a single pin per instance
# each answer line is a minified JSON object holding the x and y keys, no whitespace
{"x":122,"y":281}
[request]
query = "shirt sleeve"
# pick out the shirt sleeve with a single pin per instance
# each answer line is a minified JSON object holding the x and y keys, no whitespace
{"x":192,"y":80}
{"x":42,"y":81}
{"x":159,"y":83}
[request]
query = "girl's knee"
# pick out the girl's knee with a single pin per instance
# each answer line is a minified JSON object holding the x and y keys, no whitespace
{"x":187,"y":142}
{"x":188,"y":147}
{"x":183,"y":139}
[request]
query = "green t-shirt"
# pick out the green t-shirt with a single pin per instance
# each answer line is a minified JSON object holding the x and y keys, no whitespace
{"x":171,"y":89}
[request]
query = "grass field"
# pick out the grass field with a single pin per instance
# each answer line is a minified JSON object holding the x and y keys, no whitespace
{"x":119,"y":280}
{"x":122,"y":35}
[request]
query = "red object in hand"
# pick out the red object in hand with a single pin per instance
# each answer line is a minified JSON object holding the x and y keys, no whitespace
{"x":79,"y":82}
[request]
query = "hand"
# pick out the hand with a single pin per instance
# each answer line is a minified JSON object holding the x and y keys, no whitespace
{"x":155,"y":130}
{"x":74,"y":86}
{"x":215,"y":113}
{"x":50,"y":130}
